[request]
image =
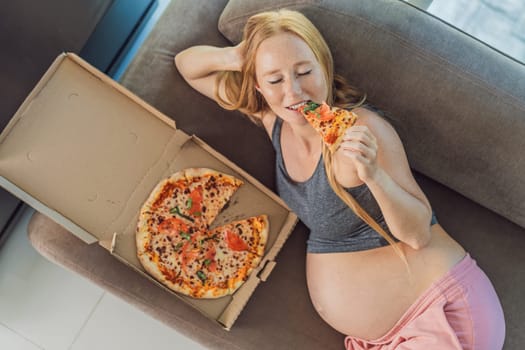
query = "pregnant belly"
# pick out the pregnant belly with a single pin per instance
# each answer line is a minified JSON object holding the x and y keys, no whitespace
{"x":364,"y":294}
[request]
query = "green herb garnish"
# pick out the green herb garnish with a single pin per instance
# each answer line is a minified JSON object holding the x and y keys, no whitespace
{"x":176,"y":210}
{"x":310,"y":107}
{"x":201,"y":276}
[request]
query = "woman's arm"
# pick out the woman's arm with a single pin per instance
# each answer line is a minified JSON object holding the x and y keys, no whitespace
{"x":199,"y":65}
{"x":381,"y":163}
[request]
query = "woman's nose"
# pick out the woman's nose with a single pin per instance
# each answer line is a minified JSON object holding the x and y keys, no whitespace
{"x":293,"y":86}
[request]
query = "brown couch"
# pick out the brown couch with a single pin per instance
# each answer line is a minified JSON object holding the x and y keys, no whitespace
{"x":458,"y":105}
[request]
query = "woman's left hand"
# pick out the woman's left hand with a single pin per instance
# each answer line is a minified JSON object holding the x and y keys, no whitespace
{"x":359,"y":148}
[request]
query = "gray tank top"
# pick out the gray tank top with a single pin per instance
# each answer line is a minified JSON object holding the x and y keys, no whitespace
{"x":333,"y":225}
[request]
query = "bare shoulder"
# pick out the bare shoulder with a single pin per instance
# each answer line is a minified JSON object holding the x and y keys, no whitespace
{"x":391,"y":148}
{"x":391,"y":152}
{"x":377,"y":124}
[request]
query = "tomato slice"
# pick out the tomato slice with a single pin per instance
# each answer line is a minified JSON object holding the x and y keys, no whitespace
{"x":196,"y":201}
{"x":210,"y":256}
{"x":210,"y":253}
{"x":235,"y":242}
{"x":191,"y":254}
{"x":325,"y":112}
{"x":172,"y":226}
{"x":331,"y":138}
{"x":188,"y":255}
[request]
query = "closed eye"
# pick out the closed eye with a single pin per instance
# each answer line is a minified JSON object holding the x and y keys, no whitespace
{"x":277,"y":81}
{"x":305,"y":73}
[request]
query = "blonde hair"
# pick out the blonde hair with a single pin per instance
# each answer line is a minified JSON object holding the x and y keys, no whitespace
{"x":239,"y":87}
{"x":241,"y":94}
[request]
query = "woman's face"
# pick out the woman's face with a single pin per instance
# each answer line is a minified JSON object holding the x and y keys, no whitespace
{"x":288,"y":75}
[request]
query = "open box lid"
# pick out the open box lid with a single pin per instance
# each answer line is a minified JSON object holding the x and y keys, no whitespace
{"x":81,"y":144}
{"x":86,"y":152}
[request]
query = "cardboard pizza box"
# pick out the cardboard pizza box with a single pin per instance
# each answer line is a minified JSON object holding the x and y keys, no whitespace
{"x":86,"y":152}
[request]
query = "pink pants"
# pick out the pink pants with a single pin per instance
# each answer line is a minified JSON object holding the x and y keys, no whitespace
{"x":459,"y":311}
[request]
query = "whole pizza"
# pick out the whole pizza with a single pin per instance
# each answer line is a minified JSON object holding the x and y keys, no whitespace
{"x":176,"y":245}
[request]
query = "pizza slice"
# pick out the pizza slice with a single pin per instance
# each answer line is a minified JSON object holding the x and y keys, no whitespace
{"x":330,"y":122}
{"x":250,"y":234}
{"x":179,"y":267}
{"x":215,"y":263}
{"x":191,"y":199}
{"x":210,"y":192}
{"x":239,"y":248}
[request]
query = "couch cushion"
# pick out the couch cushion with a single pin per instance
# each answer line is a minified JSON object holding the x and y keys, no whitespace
{"x":457,"y":104}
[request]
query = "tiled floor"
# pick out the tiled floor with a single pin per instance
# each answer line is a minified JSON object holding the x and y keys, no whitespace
{"x":43,"y":306}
